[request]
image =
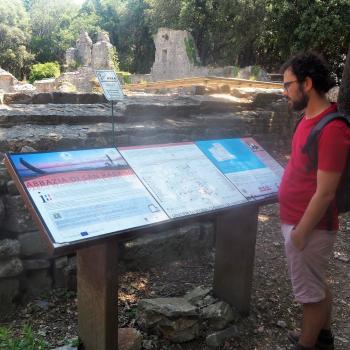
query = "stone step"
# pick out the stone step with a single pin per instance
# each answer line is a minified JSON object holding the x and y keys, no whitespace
{"x":130,"y":110}
{"x":198,"y":127}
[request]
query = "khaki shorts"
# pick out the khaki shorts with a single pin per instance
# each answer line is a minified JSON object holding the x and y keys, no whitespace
{"x":307,"y":268}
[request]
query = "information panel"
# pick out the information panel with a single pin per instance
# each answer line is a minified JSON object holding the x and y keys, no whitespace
{"x":245,"y":163}
{"x":182,"y":178}
{"x":85,"y":193}
{"x":110,"y":85}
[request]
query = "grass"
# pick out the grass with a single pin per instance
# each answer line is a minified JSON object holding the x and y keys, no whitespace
{"x":24,"y":339}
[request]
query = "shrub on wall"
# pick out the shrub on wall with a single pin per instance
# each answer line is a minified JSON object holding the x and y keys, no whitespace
{"x":124,"y":77}
{"x":44,"y":70}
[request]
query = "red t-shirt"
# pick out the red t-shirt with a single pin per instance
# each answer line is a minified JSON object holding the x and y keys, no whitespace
{"x":298,"y":183}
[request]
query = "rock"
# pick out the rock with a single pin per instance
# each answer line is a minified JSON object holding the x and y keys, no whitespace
{"x":32,"y":244}
{"x":17,"y":218}
{"x":199,"y":90}
{"x":9,"y":289}
{"x":341,"y":256}
{"x":129,"y":339}
{"x":65,"y":97}
{"x":66,"y":347}
{"x":9,"y":248}
{"x":101,"y":57}
{"x":42,"y":304}
{"x":263,"y":100}
{"x":42,"y":98}
{"x":281,"y":324}
{"x":169,"y":307}
{"x":197,"y":294}
{"x":59,"y":275}
{"x":11,"y":188}
{"x":147,"y":344}
{"x":179,"y":330}
{"x":216,"y":339}
{"x":2,"y":211}
{"x":84,"y":46}
{"x":186,"y":241}
{"x":37,"y":282}
{"x":174,"y":318}
{"x":10,"y":268}
{"x":225,"y":89}
{"x":17,"y":98}
{"x":70,"y":274}
{"x":71,"y":58}
{"x":218,"y":315}
{"x":36,"y":264}
{"x":28,"y":149}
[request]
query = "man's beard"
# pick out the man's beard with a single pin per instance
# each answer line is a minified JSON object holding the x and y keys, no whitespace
{"x":301,"y":103}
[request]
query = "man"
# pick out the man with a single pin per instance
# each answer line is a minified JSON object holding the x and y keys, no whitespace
{"x":307,"y":197}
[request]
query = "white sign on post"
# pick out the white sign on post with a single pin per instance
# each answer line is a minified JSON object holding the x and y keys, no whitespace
{"x":110,"y":85}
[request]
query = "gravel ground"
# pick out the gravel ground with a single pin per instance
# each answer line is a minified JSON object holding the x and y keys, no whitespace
{"x":273,"y":311}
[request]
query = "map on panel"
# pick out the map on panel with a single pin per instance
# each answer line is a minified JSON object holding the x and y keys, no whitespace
{"x":181,"y":178}
{"x":85,"y":193}
{"x":246,"y":164}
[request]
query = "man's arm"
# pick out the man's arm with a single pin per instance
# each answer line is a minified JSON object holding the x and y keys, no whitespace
{"x":327,"y":183}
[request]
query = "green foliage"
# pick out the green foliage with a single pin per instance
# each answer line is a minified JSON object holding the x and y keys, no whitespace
{"x":226,"y":32}
{"x":14,"y":37}
{"x":235,"y":71}
{"x":124,"y":76}
{"x":289,"y":27}
{"x":191,"y":51}
{"x":44,"y":70}
{"x":23,"y":340}
{"x":113,"y":56}
{"x":255,"y":73}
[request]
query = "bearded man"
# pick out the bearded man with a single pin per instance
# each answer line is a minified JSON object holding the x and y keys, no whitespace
{"x":308,"y":214}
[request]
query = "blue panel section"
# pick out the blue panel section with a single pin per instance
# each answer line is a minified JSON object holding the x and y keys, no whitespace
{"x":29,"y":165}
{"x":230,"y":155}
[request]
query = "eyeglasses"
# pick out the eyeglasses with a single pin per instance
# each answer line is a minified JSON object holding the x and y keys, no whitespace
{"x":287,"y":84}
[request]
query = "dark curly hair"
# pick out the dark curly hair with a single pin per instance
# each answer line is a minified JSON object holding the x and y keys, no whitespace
{"x":312,"y":65}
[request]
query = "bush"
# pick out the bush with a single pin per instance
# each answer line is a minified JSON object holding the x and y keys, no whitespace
{"x":44,"y":70}
{"x":124,"y":77}
{"x":23,"y":340}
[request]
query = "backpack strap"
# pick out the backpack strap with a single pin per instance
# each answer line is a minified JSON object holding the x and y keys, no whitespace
{"x":311,"y":145}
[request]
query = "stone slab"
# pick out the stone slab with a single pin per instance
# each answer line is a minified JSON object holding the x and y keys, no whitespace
{"x":10,"y":267}
{"x":32,"y":244}
{"x":17,"y":218}
{"x":9,"y":248}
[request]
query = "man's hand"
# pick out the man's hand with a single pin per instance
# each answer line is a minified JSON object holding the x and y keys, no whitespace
{"x":298,"y":239}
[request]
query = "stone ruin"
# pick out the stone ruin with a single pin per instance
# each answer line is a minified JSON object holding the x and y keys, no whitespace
{"x":80,"y":63}
{"x":96,"y":56}
{"x":176,"y":57}
{"x":8,"y":83}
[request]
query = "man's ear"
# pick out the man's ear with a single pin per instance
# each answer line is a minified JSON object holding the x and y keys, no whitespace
{"x":308,"y":85}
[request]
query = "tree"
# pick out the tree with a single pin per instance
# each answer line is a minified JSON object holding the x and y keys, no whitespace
{"x":125,"y":21}
{"x":51,"y":21}
{"x":344,"y":91}
{"x":14,"y":37}
{"x":292,"y":26}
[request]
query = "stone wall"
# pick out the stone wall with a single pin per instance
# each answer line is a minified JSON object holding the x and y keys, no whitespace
{"x":25,"y":268}
{"x":175,"y":56}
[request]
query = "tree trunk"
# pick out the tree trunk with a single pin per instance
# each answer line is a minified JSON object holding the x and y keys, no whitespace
{"x":344,"y":91}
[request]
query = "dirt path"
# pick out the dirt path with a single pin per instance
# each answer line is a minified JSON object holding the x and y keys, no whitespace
{"x":273,"y":310}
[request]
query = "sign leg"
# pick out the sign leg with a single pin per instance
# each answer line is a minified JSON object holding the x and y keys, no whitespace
{"x":97,"y":296}
{"x":234,"y":258}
